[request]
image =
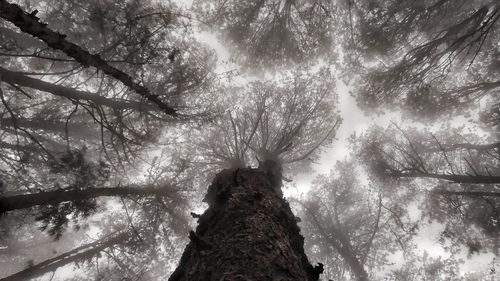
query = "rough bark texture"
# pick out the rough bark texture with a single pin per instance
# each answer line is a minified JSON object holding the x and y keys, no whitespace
{"x":248,"y":233}
{"x":30,"y":24}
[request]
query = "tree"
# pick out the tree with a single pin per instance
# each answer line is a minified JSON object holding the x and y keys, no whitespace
{"x":55,"y":197}
{"x":427,"y":268}
{"x":465,"y":176}
{"x":429,"y":58}
{"x":287,"y":121}
{"x":459,"y":158}
{"x":65,"y":130}
{"x":248,"y":231}
{"x":127,"y":44}
{"x":247,"y":204}
{"x":270,"y":32}
{"x":80,"y":253}
{"x":354,"y":227}
{"x":29,"y":23}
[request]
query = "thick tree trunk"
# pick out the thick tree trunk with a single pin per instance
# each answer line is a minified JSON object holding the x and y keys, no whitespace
{"x":53,"y":197}
{"x":80,"y":253}
{"x":247,"y":233}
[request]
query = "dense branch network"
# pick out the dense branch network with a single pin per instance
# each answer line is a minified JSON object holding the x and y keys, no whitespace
{"x":29,"y":23}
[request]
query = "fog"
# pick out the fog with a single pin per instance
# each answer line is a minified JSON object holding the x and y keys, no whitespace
{"x":130,"y":130}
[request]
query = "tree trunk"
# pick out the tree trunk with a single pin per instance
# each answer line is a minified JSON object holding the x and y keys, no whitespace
{"x":29,"y":23}
{"x":468,"y":146}
{"x":248,"y":233}
{"x":354,"y":263}
{"x":53,"y":197}
{"x":80,"y":253}
{"x":467,"y":193}
{"x":453,"y":178}
{"x":49,"y":126}
{"x":340,"y":242}
{"x":23,"y":80}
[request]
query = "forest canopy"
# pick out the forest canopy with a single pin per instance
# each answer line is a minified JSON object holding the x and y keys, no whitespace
{"x":119,"y":119}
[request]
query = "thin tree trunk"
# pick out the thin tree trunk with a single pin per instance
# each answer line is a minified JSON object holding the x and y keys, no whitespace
{"x":453,"y":178}
{"x":48,"y":126}
{"x":467,"y":193}
{"x":247,"y":233}
{"x":340,"y":242}
{"x":27,"y":148}
{"x":23,"y":80}
{"x":53,"y":197}
{"x":468,"y":146}
{"x":356,"y":267}
{"x":80,"y":253}
{"x":30,"y":24}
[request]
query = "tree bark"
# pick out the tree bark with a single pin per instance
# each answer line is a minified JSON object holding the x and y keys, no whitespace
{"x":248,"y":233}
{"x":80,"y":253}
{"x":53,"y":197}
{"x":30,"y":24}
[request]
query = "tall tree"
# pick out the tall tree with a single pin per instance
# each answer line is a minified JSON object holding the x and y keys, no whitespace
{"x":246,"y":205}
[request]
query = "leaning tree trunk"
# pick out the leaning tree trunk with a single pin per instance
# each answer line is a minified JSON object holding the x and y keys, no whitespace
{"x":78,"y":254}
{"x":247,"y":233}
{"x":24,"y":201}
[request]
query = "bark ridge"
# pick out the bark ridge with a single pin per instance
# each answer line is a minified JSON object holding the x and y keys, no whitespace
{"x":248,"y":233}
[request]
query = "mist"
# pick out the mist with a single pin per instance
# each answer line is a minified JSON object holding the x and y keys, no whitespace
{"x":249,"y":140}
